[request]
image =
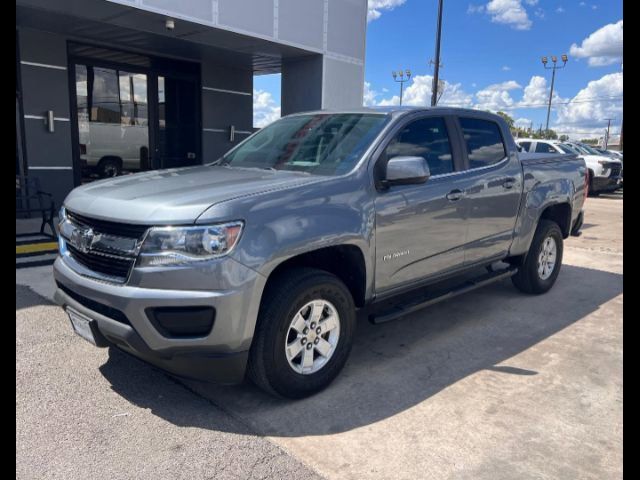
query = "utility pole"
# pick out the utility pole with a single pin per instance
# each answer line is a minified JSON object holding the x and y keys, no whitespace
{"x":436,"y":71}
{"x":399,"y":77}
{"x":606,"y":138}
{"x":554,"y":59}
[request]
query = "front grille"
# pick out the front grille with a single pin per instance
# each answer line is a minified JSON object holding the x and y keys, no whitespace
{"x":615,"y":170}
{"x":111,"y":266}
{"x":109,"y":228}
{"x":97,"y":307}
{"x":116,"y":265}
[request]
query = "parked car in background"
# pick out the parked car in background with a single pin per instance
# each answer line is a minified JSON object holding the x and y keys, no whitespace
{"x":608,"y":177}
{"x":256,"y":263}
{"x":605,"y":172}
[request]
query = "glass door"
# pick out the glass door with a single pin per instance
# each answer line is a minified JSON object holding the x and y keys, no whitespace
{"x":112,"y":121}
{"x":177,"y":135}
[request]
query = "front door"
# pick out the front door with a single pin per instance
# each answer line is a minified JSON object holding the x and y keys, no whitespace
{"x":420,"y":229}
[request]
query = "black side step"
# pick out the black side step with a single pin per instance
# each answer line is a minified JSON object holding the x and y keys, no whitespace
{"x":432,"y":297}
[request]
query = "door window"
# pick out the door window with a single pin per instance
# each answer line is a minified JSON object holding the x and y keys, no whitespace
{"x":426,"y":138}
{"x":544,"y":148}
{"x":484,"y":142}
{"x":525,"y":146}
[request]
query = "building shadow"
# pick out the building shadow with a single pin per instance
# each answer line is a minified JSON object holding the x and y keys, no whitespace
{"x":393,"y":366}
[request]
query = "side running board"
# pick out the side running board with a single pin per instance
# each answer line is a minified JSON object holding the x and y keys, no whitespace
{"x":429,"y":297}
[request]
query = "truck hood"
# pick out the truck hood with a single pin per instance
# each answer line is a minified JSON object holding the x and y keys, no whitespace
{"x":175,"y":196}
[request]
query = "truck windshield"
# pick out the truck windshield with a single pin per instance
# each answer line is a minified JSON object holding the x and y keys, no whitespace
{"x":567,"y":148}
{"x":321,"y":144}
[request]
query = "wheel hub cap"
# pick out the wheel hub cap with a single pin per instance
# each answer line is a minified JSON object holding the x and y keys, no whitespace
{"x":312,"y":337}
{"x":547,"y":258}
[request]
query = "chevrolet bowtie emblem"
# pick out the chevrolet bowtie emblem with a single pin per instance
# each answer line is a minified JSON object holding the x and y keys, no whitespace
{"x":82,"y":239}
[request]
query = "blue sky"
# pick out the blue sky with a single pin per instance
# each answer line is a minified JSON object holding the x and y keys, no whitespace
{"x":491,"y":58}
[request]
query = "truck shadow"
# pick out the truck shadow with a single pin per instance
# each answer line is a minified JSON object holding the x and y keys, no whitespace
{"x":393,"y":366}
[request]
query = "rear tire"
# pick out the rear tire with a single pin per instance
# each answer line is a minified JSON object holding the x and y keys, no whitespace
{"x":536,"y":275}
{"x":290,"y":296}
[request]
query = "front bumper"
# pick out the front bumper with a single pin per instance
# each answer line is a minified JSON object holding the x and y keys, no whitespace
{"x":121,"y":319}
{"x":606,"y":184}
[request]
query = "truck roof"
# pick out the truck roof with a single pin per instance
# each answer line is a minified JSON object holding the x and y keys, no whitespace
{"x":395,"y":111}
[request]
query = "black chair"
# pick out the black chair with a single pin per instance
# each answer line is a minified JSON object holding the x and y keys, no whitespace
{"x":30,"y":198}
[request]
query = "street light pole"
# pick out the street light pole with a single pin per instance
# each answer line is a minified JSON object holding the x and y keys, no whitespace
{"x":606,"y":138}
{"x":399,"y":77}
{"x":436,"y":71}
{"x":555,"y":67}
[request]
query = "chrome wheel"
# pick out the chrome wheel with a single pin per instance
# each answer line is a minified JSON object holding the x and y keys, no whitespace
{"x":547,"y":258}
{"x":312,"y":337}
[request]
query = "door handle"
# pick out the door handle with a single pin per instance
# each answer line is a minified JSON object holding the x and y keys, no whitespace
{"x":455,"y":195}
{"x":509,"y":183}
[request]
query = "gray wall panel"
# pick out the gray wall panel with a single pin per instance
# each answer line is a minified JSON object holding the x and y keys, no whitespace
{"x":46,"y":149}
{"x":347,"y":27}
{"x":250,"y":15}
{"x":217,"y":144}
{"x":301,"y":85}
{"x":56,"y":182}
{"x":220,"y":110}
{"x":45,"y":89}
{"x":300,"y":21}
{"x":220,"y":76}
{"x":197,"y":9}
{"x":343,"y":84}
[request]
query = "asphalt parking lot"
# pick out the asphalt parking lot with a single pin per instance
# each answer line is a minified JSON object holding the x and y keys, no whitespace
{"x":491,"y":385}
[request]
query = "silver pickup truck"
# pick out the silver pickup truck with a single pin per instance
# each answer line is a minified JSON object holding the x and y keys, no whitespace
{"x":259,"y":263}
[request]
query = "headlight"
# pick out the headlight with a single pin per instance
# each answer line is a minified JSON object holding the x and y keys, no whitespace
{"x":178,"y":245}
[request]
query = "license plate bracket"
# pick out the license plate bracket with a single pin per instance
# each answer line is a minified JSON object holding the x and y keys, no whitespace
{"x":82,"y":325}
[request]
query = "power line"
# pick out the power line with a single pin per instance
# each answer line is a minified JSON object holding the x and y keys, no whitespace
{"x":538,"y":105}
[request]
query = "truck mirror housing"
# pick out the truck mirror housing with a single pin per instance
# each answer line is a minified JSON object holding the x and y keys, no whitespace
{"x":405,"y":170}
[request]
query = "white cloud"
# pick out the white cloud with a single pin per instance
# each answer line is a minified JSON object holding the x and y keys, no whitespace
{"x":602,"y":47}
{"x":496,"y":97}
{"x":265,"y":109}
{"x":531,"y":2}
{"x":369,"y":97}
{"x":522,"y":122}
{"x":505,"y":68}
{"x":475,"y":8}
{"x":375,"y":7}
{"x":599,"y":100}
{"x":509,"y":12}
{"x":535,"y":93}
{"x":418,"y":93}
{"x":539,"y":12}
{"x":559,"y":9}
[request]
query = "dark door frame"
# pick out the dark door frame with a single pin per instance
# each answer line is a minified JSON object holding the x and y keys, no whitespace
{"x":159,"y":66}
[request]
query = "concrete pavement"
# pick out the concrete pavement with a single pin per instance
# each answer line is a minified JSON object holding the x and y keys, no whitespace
{"x":494,"y":384}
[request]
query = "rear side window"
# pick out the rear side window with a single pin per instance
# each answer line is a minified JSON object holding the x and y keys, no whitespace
{"x":544,"y":148}
{"x":484,"y":142}
{"x":525,"y":146}
{"x":427,"y":138}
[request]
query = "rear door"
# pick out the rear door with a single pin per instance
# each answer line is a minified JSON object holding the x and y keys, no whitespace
{"x":492,"y":188}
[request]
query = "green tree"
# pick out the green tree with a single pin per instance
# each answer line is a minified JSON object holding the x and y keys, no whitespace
{"x":507,"y":119}
{"x":564,"y":138}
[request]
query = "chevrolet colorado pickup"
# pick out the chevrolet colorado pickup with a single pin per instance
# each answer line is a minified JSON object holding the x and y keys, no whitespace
{"x":259,"y":263}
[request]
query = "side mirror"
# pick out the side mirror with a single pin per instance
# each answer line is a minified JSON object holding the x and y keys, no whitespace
{"x":406,"y":171}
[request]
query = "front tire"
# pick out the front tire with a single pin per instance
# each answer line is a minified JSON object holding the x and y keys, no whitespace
{"x":304,"y":333}
{"x":542,"y":265}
